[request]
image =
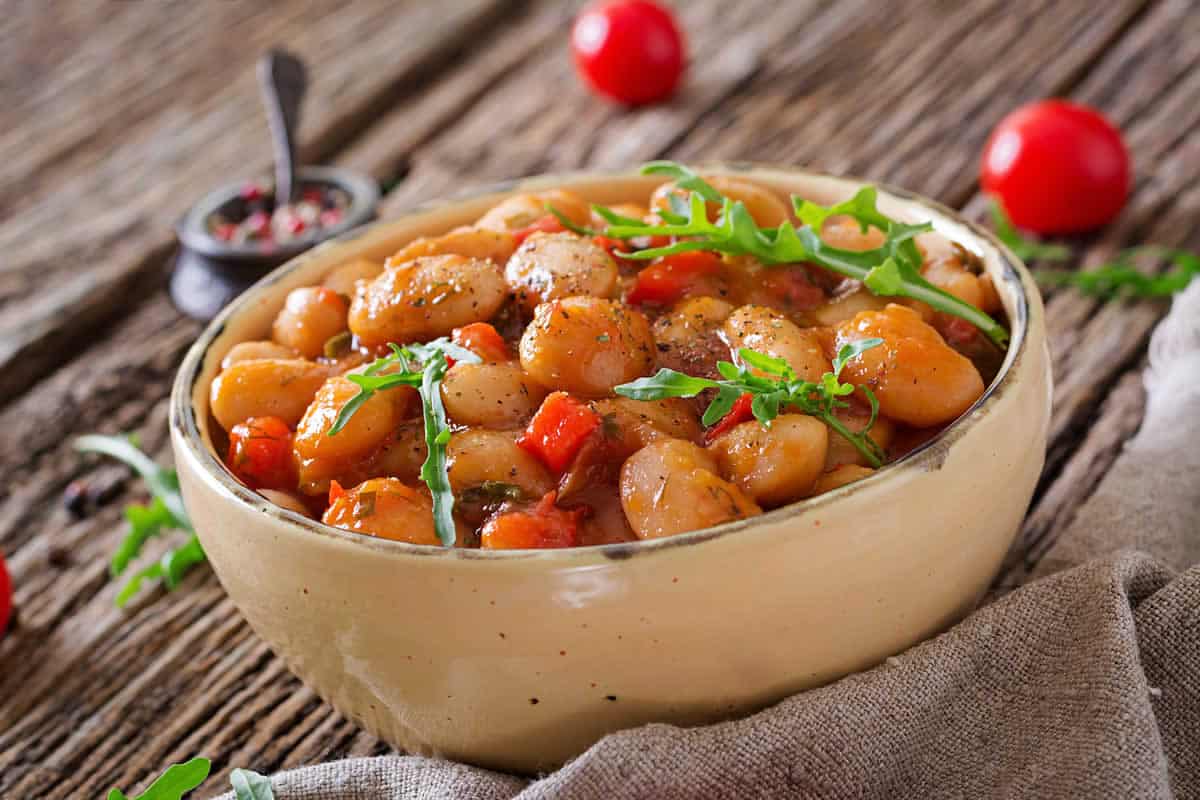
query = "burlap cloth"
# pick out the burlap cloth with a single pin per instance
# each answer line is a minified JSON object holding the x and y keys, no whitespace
{"x":1083,"y":683}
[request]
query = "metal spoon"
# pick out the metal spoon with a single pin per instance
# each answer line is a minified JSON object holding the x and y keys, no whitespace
{"x":283,"y":79}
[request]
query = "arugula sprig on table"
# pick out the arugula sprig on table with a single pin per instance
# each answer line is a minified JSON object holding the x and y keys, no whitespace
{"x":1118,"y":278}
{"x":891,"y":270}
{"x":780,"y":389}
{"x":421,"y":366}
{"x":146,"y":521}
{"x":179,"y":779}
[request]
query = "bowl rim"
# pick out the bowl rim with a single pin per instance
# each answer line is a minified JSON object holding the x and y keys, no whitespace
{"x":184,"y":428}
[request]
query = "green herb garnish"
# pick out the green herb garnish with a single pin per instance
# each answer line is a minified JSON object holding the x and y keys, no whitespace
{"x":421,"y":366}
{"x":1022,"y":246}
{"x":569,"y":224}
{"x":179,"y":779}
{"x":892,"y":270}
{"x":146,"y":521}
{"x":173,"y":784}
{"x":779,"y":389}
{"x":1122,"y":278}
{"x":1118,"y":278}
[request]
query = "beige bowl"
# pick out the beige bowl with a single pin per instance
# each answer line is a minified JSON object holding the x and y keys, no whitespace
{"x":520,"y":660}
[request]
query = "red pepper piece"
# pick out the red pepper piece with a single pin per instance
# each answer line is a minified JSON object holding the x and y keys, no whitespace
{"x":741,"y":412}
{"x":545,"y":525}
{"x":558,"y":430}
{"x":547,"y":224}
{"x":793,"y":286}
{"x":672,"y":277}
{"x":260,"y":453}
{"x":483,"y":340}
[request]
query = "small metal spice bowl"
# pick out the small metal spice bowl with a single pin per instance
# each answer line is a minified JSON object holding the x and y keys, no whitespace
{"x":210,"y":271}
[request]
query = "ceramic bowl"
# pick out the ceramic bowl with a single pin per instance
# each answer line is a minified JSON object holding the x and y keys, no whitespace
{"x":519,"y":660}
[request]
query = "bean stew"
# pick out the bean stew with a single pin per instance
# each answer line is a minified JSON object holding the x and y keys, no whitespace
{"x":559,"y":374}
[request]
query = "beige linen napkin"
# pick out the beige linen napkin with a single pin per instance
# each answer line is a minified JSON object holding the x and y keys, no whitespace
{"x":1082,"y":684}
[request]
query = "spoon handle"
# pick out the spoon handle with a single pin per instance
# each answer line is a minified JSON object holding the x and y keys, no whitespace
{"x":283,"y":79}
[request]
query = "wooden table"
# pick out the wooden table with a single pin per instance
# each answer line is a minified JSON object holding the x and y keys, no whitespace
{"x":116,"y":116}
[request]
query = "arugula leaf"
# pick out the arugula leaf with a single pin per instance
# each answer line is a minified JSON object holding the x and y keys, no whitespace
{"x":852,"y":350}
{"x":1122,"y":278}
{"x":171,"y":569}
{"x":145,"y":522}
{"x":665,"y":383}
{"x":891,"y":270}
{"x":721,"y":405}
{"x":779,"y":389}
{"x":422,"y":366}
{"x":775,"y":366}
{"x":685,"y":179}
{"x":248,"y":785}
{"x":165,"y":512}
{"x":163,"y":483}
{"x":569,"y":224}
{"x":613,"y":218}
{"x":1022,"y":246}
{"x":1118,"y":278}
{"x":435,"y":470}
{"x":174,"y":783}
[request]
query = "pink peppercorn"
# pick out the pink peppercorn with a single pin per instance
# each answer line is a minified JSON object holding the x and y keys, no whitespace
{"x":259,"y":224}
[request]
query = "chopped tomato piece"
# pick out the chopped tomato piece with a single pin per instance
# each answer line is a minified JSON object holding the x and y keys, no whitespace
{"x":260,"y":453}
{"x":740,"y":413}
{"x":794,"y":288}
{"x":483,"y":340}
{"x":671,"y":278}
{"x":558,"y":430}
{"x":545,"y":525}
{"x":547,"y":224}
{"x":617,"y":248}
{"x":336,"y":492}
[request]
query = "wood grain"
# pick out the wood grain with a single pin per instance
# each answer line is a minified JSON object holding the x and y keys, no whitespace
{"x":91,"y":697}
{"x":96,"y":181}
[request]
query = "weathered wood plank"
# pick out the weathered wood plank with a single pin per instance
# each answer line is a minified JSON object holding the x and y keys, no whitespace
{"x":1094,"y":345}
{"x":82,"y":243}
{"x":515,"y":131}
{"x":1118,"y":419}
{"x":903,"y":99}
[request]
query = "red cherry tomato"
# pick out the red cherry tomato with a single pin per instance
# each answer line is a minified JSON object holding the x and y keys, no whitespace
{"x":1057,"y":167}
{"x":631,"y":51}
{"x":260,"y":453}
{"x":5,"y":597}
{"x":540,"y":527}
